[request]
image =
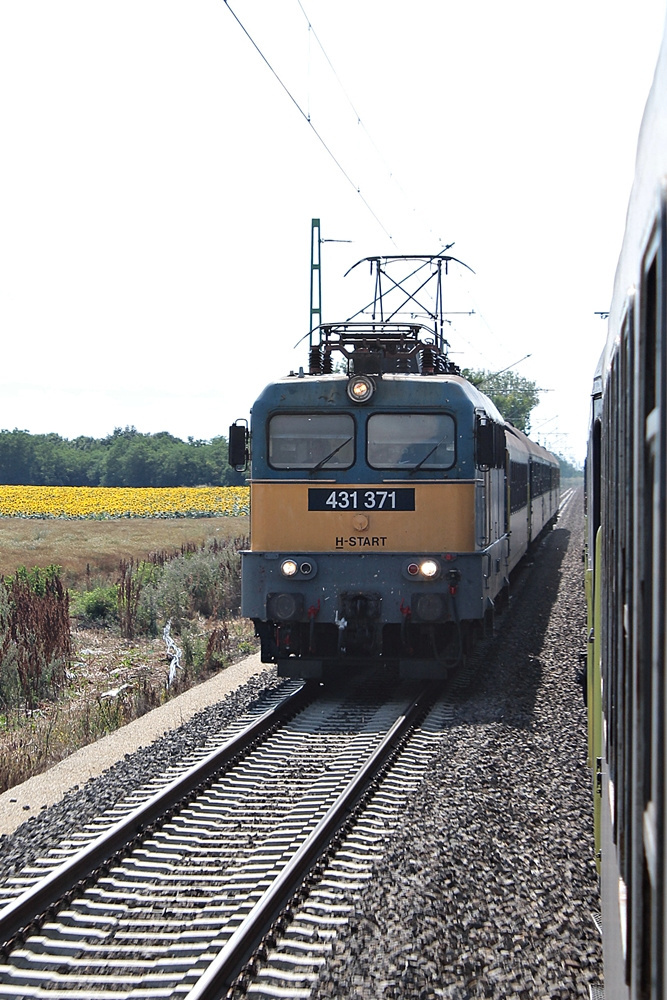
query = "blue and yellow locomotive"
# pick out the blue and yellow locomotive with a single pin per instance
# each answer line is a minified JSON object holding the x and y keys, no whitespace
{"x":389,"y":503}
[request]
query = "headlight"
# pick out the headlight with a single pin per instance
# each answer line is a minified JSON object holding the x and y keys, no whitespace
{"x":360,"y":388}
{"x":288,"y":567}
{"x":424,"y":569}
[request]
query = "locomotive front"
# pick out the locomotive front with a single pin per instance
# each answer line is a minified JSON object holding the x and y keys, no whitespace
{"x":378,"y":516}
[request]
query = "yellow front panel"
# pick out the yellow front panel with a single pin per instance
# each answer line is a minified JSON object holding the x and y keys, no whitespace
{"x":443,"y":520}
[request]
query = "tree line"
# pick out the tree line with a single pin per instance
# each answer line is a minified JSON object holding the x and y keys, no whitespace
{"x":516,"y":397}
{"x":124,"y":458}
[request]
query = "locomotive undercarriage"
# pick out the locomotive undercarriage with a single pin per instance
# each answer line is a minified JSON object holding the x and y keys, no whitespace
{"x":318,"y":650}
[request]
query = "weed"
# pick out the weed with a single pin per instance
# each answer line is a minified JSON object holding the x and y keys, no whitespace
{"x":35,"y":637}
{"x":129,"y":589}
{"x":205,"y":582}
{"x":99,"y":605}
{"x":217,"y":648}
{"x":193,"y":644}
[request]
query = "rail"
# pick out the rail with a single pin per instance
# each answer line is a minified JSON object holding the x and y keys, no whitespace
{"x":230,"y":960}
{"x":36,"y":900}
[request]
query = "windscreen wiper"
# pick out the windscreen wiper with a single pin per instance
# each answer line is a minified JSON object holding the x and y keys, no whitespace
{"x":331,"y":454}
{"x":428,"y":454}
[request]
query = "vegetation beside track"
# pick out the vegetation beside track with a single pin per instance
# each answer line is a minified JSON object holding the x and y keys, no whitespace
{"x":110,"y":589}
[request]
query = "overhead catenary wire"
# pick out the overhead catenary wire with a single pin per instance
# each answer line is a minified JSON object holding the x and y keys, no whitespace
{"x":306,"y":117}
{"x":357,"y":115}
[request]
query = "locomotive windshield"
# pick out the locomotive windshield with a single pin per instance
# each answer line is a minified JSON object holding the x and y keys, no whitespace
{"x":411,"y":441}
{"x":311,"y":441}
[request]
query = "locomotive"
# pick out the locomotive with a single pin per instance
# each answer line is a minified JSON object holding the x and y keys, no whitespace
{"x":626,"y":550}
{"x":390,"y":502}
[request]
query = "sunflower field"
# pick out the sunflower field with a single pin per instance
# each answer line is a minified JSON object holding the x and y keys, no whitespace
{"x":74,"y":502}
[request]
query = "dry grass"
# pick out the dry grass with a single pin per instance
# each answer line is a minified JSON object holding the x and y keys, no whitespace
{"x":90,"y":552}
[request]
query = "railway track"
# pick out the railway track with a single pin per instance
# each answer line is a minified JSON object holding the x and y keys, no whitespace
{"x":171,"y":894}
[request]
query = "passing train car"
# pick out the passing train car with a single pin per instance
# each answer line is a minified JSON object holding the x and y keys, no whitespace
{"x":389,"y":503}
{"x":626,"y":553}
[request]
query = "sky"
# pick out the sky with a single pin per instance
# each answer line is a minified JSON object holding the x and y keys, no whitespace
{"x":161,"y":162}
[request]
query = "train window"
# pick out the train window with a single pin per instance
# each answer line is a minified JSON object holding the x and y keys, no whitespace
{"x":543,"y":478}
{"x":411,"y":441}
{"x":311,"y":441}
{"x":518,"y":486}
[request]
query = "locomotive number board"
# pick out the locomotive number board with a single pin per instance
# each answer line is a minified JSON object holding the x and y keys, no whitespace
{"x":363,"y":499}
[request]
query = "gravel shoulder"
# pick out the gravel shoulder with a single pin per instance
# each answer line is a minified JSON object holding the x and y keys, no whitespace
{"x":489,"y":888}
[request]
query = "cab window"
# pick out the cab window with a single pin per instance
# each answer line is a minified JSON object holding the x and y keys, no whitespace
{"x":311,"y":441}
{"x":411,"y":441}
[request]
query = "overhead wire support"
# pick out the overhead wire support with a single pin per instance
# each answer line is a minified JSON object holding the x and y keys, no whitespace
{"x":315,"y":275}
{"x":306,"y":118}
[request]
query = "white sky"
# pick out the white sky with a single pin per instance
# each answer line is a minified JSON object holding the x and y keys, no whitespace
{"x":157,"y":187}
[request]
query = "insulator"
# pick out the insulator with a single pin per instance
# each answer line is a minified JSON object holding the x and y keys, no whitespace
{"x":327,"y":365}
{"x":315,"y":361}
{"x":427,"y":361}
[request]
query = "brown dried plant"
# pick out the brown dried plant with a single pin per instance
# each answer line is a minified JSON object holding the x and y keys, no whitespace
{"x":38,"y":633}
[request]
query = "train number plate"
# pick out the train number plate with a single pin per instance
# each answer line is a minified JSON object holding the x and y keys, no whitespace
{"x":327,"y":499}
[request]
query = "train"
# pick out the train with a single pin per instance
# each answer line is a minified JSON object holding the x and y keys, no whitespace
{"x":390,"y":502}
{"x":625,"y":557}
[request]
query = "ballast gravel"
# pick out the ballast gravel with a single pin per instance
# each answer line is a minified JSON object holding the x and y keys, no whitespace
{"x":490,"y":887}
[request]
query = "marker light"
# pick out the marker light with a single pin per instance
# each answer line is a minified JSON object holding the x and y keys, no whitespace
{"x":429,"y":568}
{"x":288,"y":567}
{"x":413,"y":569}
{"x":360,"y":388}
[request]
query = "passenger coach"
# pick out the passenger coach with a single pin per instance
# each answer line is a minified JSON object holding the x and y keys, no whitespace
{"x":626,"y":557}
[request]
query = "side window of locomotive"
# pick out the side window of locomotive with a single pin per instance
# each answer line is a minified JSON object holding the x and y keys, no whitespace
{"x":311,"y":440}
{"x":411,"y":441}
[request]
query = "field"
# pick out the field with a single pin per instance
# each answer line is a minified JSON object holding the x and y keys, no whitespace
{"x":110,"y":679}
{"x":90,"y":551}
{"x":118,"y":501}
